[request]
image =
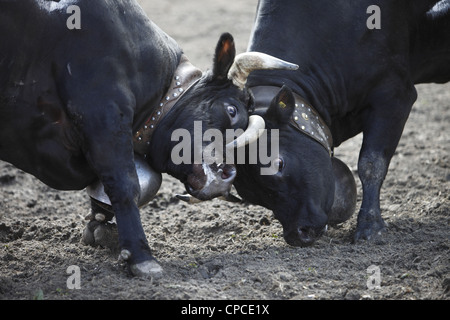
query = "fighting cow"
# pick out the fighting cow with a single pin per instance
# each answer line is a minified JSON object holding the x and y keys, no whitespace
{"x":430,"y":46}
{"x":80,"y":100}
{"x":351,"y":79}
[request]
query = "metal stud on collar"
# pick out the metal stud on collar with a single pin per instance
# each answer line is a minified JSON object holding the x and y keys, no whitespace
{"x":186,"y":76}
{"x":311,"y":124}
{"x":305,"y":118}
{"x":151,"y":122}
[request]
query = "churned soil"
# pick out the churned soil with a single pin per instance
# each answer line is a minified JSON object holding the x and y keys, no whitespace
{"x":219,"y":250}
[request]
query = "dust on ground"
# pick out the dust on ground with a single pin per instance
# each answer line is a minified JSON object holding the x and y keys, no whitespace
{"x":218,"y":250}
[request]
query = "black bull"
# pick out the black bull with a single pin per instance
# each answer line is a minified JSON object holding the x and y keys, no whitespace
{"x":359,"y":79}
{"x":86,"y":87}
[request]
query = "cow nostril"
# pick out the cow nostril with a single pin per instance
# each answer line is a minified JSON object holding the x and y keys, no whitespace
{"x":303,"y":232}
{"x":300,"y":237}
{"x":306,"y":236}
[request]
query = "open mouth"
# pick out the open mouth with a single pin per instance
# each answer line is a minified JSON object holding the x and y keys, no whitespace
{"x":226,"y":172}
{"x":210,"y":181}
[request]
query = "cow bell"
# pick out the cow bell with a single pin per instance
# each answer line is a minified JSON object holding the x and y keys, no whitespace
{"x":344,"y":204}
{"x":149,"y":182}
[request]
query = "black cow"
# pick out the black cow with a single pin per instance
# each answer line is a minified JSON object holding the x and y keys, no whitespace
{"x":430,"y":46}
{"x":84,"y":85}
{"x":351,"y":79}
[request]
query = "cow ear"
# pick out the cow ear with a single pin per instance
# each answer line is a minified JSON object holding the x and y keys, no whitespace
{"x":224,"y":56}
{"x":282,"y":106}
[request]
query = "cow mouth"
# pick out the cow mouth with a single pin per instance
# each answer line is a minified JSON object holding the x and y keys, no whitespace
{"x":303,"y":236}
{"x":210,"y":181}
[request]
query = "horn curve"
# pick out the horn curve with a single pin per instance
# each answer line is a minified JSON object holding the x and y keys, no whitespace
{"x":255,"y":129}
{"x":193,"y":200}
{"x":247,"y":62}
{"x":188,"y":198}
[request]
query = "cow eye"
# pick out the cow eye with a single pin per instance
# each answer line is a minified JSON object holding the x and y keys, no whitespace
{"x":279,"y":164}
{"x":232,"y":111}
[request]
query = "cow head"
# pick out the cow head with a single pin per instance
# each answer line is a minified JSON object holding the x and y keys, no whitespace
{"x":307,"y":189}
{"x":189,"y":142}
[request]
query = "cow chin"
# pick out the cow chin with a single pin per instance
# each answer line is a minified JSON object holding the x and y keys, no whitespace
{"x":303,"y":237}
{"x":208,"y":181}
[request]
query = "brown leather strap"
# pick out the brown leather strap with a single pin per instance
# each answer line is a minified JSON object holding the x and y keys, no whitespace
{"x":305,"y":118}
{"x":184,"y":77}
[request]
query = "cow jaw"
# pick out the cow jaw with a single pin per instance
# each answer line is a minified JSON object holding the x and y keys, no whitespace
{"x":208,"y":181}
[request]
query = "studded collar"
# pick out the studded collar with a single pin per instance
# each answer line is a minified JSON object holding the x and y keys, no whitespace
{"x":305,"y":118}
{"x":184,"y":77}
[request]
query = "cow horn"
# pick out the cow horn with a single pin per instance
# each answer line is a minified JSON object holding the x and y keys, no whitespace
{"x":255,"y":128}
{"x":193,"y":200}
{"x":247,"y":62}
{"x":188,"y":198}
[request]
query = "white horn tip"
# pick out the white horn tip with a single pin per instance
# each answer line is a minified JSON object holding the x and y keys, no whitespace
{"x":188,"y":198}
{"x":255,"y":128}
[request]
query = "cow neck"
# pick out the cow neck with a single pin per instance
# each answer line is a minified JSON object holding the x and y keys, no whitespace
{"x":305,"y":117}
{"x":184,"y":78}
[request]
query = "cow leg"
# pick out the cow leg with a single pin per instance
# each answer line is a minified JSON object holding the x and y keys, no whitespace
{"x":121,"y":185}
{"x":108,"y":147}
{"x":383,"y":127}
{"x":100,"y":231}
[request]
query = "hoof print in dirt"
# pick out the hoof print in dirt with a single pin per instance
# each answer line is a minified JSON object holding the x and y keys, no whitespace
{"x":101,"y":234}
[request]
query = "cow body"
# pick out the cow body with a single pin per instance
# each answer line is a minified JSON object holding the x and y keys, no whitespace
{"x":72,"y":100}
{"x":430,"y":46}
{"x":359,"y":80}
{"x":48,"y":74}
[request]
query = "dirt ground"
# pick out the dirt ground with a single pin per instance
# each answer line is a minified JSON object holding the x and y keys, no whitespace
{"x":218,"y":250}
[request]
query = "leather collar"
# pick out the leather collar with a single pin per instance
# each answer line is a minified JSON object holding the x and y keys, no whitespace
{"x":184,"y":78}
{"x":305,"y":118}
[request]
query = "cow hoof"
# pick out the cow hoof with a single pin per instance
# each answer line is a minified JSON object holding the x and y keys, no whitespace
{"x":147,"y":269}
{"x":370,"y":233}
{"x":101,"y":234}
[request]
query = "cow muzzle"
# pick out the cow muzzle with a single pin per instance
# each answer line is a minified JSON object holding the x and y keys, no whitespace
{"x":208,"y":181}
{"x":215,"y":180}
{"x":303,"y":236}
